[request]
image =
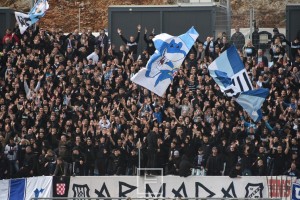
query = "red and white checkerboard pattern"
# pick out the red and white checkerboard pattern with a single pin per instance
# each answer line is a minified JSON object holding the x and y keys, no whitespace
{"x":60,"y":188}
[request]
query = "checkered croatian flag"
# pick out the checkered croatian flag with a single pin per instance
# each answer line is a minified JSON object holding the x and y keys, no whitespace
{"x":60,"y":189}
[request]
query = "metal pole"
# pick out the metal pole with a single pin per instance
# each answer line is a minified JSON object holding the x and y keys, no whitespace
{"x":79,"y":19}
{"x":251,"y":20}
{"x":139,"y":155}
{"x":228,"y":18}
{"x":141,"y":198}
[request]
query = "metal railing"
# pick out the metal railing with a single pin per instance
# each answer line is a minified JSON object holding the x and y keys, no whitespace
{"x":148,"y":198}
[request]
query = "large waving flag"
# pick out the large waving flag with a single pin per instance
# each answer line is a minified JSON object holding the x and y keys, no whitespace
{"x":252,"y":101}
{"x":26,"y":188}
{"x":229,"y":73}
{"x":168,"y":57}
{"x":37,"y":12}
{"x":23,"y":21}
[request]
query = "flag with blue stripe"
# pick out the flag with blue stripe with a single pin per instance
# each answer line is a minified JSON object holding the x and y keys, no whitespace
{"x":252,"y":101}
{"x":26,"y":188}
{"x":229,"y":73}
{"x":38,"y":10}
{"x":13,"y":189}
{"x":168,"y":57}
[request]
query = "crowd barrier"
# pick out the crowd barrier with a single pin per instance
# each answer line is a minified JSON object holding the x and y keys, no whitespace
{"x":109,"y":187}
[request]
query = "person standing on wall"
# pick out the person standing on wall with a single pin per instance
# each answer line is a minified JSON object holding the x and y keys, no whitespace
{"x":238,"y":39}
{"x":152,"y":148}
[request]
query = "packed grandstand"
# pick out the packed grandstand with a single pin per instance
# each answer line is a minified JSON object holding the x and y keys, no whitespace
{"x":68,"y":107}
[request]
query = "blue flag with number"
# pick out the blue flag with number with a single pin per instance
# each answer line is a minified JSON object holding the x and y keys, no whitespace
{"x":229,"y":73}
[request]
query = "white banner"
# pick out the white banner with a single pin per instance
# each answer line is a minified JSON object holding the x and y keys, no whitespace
{"x":4,"y":188}
{"x":39,"y":187}
{"x":23,"y":21}
{"x":169,"y":187}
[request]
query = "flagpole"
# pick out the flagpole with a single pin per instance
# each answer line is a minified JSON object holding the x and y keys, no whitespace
{"x":79,"y":19}
{"x":139,"y":154}
{"x":80,"y":6}
{"x":32,"y":4}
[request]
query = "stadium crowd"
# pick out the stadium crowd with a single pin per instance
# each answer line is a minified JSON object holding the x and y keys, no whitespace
{"x":68,"y":107}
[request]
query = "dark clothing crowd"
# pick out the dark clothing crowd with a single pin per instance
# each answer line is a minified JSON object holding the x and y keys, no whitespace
{"x":68,"y":107}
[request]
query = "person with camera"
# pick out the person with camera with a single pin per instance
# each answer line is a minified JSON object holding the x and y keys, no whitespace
{"x":10,"y":151}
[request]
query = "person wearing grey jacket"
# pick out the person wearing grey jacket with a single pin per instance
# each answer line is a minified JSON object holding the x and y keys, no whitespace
{"x":10,"y":151}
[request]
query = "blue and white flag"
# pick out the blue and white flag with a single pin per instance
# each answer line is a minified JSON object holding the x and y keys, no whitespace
{"x":38,"y":10}
{"x":295,"y":191}
{"x":252,"y":101}
{"x":229,"y":73}
{"x":12,"y":189}
{"x":26,"y":188}
{"x":166,"y":60}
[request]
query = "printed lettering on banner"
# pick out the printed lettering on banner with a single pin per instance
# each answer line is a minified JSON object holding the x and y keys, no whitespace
{"x":280,"y":186}
{"x":172,"y":186}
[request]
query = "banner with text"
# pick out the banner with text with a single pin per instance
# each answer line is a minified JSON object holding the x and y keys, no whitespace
{"x":280,"y":186}
{"x":168,"y":186}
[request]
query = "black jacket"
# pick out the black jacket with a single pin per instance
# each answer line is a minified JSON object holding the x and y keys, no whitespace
{"x":214,"y":165}
{"x":152,"y":141}
{"x":185,"y":167}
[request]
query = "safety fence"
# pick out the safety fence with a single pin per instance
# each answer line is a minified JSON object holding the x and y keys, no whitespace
{"x":148,"y":198}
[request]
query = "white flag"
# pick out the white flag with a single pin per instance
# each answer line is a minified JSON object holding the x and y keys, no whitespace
{"x":168,"y":57}
{"x":23,"y":21}
{"x":39,"y":187}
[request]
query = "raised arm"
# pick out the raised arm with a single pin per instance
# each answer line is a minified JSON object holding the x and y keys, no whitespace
{"x":122,"y":37}
{"x":138,"y":35}
{"x":145,"y":36}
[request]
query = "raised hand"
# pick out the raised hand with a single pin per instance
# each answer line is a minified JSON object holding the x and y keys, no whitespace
{"x":119,"y":31}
